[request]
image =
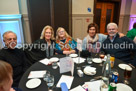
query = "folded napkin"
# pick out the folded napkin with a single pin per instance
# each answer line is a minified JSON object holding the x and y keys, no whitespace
{"x":79,"y":59}
{"x":49,"y":61}
{"x":90,"y":70}
{"x":45,"y":61}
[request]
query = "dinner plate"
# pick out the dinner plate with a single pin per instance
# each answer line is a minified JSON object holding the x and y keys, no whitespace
{"x":73,"y":55}
{"x":122,"y":66}
{"x":96,"y":60}
{"x":123,"y":87}
{"x":33,"y":83}
{"x":54,"y":59}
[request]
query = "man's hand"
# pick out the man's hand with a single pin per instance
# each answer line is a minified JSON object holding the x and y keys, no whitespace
{"x":121,"y":35}
{"x":134,"y":40}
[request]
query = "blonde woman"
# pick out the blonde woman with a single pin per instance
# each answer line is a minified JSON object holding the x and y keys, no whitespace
{"x":44,"y":47}
{"x":64,"y":43}
{"x":6,"y":80}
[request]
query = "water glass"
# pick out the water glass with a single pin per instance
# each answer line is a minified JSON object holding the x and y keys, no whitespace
{"x":50,"y":82}
{"x":54,"y":65}
{"x":45,"y":77}
{"x":89,"y":60}
{"x":104,"y":85}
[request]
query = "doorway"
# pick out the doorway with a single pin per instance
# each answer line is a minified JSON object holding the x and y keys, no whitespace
{"x":104,"y":14}
{"x":106,"y":11}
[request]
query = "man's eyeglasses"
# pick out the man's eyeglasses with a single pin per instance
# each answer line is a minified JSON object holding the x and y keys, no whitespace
{"x":112,"y":29}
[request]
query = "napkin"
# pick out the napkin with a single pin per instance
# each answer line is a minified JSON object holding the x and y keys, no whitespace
{"x":76,"y":60}
{"x":78,"y":88}
{"x":49,"y":61}
{"x":45,"y":61}
{"x":37,"y":74}
{"x":65,"y":79}
{"x":90,"y":70}
{"x":93,"y":86}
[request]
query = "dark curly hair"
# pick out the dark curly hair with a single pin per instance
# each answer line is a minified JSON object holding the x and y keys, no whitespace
{"x":93,"y":25}
{"x":134,"y":26}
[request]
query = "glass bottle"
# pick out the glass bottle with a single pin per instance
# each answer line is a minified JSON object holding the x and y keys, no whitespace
{"x":106,"y":72}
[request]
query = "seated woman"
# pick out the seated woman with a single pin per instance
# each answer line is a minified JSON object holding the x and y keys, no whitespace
{"x":64,"y":43}
{"x":6,"y":80}
{"x":42,"y":48}
{"x":92,"y":42}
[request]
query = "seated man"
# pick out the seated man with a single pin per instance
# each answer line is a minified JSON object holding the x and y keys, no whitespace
{"x":13,"y":56}
{"x":122,"y":48}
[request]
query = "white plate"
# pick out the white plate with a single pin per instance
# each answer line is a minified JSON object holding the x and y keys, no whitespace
{"x":33,"y":83}
{"x":97,"y":60}
{"x":122,"y":66}
{"x":54,"y":59}
{"x":73,"y":55}
{"x":123,"y":87}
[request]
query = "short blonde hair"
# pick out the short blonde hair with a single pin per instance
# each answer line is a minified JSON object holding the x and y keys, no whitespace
{"x":112,"y":24}
{"x":8,"y":33}
{"x":57,"y":35}
{"x":44,"y":30}
{"x":5,"y":72}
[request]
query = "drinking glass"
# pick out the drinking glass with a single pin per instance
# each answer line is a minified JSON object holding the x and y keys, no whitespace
{"x":101,"y":55}
{"x":54,"y":65}
{"x":50,"y":82}
{"x":104,"y":84}
{"x":112,"y":60}
{"x":127,"y":74}
{"x":45,"y":76}
{"x":89,"y":60}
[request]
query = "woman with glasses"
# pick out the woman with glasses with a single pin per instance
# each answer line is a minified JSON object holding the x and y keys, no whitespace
{"x":64,"y":43}
{"x":44,"y":47}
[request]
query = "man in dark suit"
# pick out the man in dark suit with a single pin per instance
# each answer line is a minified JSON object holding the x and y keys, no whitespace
{"x":122,"y":48}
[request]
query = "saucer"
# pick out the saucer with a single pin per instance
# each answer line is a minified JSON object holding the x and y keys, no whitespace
{"x":73,"y":55}
{"x":33,"y":83}
{"x":123,"y":87}
{"x":97,"y":60}
{"x":122,"y":66}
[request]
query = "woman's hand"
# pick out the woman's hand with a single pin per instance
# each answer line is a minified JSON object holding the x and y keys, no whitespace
{"x":69,"y":52}
{"x":72,"y":51}
{"x":66,"y":52}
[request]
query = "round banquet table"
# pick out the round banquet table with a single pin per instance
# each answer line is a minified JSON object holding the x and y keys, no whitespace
{"x":77,"y":80}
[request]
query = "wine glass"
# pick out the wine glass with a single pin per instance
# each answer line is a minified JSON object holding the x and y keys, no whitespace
{"x":101,"y":55}
{"x":127,"y":74}
{"x":50,"y":82}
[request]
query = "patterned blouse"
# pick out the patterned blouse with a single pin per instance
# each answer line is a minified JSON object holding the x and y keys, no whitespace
{"x":67,"y":44}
